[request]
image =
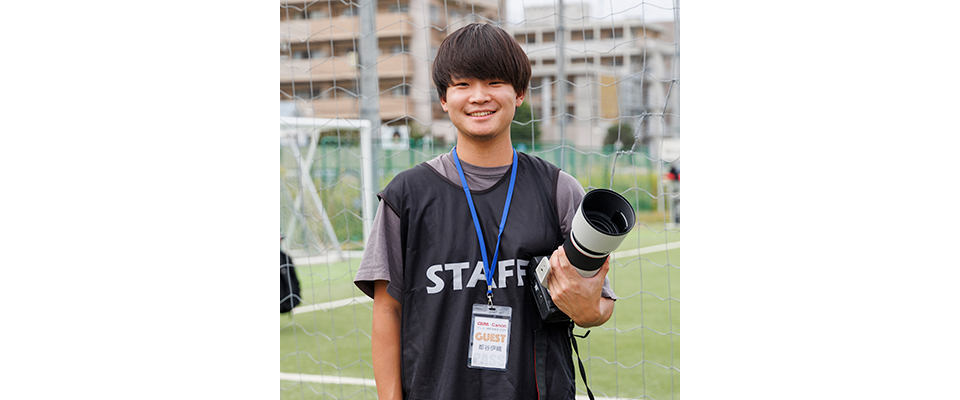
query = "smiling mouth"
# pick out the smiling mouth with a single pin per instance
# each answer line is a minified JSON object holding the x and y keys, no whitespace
{"x":481,"y":114}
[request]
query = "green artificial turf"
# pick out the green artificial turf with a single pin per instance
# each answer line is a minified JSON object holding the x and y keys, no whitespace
{"x":635,"y":354}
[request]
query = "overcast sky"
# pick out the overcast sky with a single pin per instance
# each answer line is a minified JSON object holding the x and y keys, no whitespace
{"x":655,"y":10}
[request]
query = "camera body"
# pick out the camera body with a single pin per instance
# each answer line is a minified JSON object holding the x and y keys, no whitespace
{"x":549,"y":312}
{"x":602,"y":221}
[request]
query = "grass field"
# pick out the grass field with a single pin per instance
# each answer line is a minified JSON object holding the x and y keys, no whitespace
{"x":634,"y":355}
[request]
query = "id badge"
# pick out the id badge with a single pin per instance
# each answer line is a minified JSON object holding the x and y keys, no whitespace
{"x":489,"y":337}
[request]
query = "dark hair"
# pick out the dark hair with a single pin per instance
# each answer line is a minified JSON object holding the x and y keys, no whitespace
{"x":480,"y":51}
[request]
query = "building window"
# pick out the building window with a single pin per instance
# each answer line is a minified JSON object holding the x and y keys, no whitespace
{"x":549,"y":37}
{"x":616,"y":61}
{"x":317,"y":14}
{"x":640,"y":32}
{"x":550,"y":62}
{"x":344,"y":51}
{"x":400,"y":91}
{"x":615,"y":33}
{"x":349,"y":12}
{"x":398,"y":48}
{"x":522,"y":38}
{"x":399,"y":8}
{"x":536,"y":86}
{"x":434,"y":14}
{"x":581,"y":35}
{"x":344,"y":89}
{"x":293,"y":13}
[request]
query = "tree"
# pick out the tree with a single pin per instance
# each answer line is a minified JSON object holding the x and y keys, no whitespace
{"x":522,"y":130}
{"x":623,"y":133}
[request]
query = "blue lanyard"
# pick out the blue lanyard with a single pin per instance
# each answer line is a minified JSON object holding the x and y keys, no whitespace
{"x":487,"y":268}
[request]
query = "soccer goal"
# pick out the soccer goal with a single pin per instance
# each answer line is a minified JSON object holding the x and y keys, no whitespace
{"x":308,"y":223}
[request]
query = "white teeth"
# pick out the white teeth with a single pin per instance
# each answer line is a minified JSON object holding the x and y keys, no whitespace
{"x":481,"y":114}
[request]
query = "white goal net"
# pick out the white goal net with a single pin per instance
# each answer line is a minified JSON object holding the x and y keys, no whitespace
{"x":358,"y":107}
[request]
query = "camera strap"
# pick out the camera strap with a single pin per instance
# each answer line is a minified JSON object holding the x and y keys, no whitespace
{"x":583,"y":372}
{"x":487,"y":268}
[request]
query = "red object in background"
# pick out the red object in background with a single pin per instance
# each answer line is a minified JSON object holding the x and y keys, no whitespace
{"x":671,"y":176}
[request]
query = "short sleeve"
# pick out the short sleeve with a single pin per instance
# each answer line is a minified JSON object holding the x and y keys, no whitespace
{"x":382,"y":257}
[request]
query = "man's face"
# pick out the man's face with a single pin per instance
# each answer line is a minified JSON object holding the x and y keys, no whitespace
{"x":481,"y":109}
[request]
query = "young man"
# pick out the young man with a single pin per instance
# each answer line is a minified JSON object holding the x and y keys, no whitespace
{"x":453,"y":315}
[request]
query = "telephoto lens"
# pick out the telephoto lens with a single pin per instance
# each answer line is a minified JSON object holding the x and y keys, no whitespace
{"x":601,"y":223}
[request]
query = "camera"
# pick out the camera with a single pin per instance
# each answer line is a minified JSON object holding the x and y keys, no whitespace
{"x":602,"y":221}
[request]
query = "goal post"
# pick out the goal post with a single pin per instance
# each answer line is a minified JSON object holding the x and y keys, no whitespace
{"x":298,"y":127}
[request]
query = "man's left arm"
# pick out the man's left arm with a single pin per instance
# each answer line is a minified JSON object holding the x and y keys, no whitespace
{"x":578,"y":297}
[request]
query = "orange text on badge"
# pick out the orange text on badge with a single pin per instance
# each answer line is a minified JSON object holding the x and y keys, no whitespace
{"x":489,"y":337}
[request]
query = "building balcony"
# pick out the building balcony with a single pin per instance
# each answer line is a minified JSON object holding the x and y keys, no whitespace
{"x":391,"y":107}
{"x":344,"y":28}
{"x":328,"y":69}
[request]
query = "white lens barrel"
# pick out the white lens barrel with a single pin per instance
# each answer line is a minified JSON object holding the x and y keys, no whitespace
{"x":591,"y":239}
{"x":589,"y":243}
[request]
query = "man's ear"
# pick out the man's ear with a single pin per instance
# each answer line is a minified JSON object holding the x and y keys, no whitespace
{"x":520,"y":97}
{"x":443,"y":103}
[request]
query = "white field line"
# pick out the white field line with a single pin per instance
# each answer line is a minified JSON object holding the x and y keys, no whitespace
{"x":284,"y":376}
{"x":322,"y":259}
{"x":647,"y":250}
{"x":326,"y":379}
{"x":332,"y":304}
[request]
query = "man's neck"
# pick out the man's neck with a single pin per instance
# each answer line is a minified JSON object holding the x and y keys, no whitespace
{"x":493,"y":154}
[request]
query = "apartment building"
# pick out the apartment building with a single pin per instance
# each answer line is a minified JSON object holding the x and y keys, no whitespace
{"x":613,"y":70}
{"x":319,"y":76}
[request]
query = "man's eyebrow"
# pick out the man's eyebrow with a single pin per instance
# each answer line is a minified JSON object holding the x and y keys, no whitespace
{"x":463,"y":78}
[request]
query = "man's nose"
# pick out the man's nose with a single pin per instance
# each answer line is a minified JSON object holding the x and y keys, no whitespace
{"x":479,"y":94}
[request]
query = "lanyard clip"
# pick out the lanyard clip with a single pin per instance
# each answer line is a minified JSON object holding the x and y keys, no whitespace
{"x":490,"y":299}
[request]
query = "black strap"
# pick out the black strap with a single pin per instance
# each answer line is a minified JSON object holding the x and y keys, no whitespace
{"x":583,"y":372}
{"x":540,"y":357}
